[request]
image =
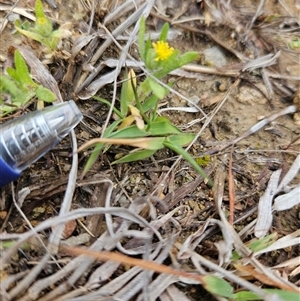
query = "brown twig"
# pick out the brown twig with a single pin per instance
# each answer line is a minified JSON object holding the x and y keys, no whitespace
{"x":231,"y":190}
{"x":126,"y":260}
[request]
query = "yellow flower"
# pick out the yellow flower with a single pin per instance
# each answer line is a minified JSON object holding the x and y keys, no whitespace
{"x":163,"y":50}
{"x":41,"y":21}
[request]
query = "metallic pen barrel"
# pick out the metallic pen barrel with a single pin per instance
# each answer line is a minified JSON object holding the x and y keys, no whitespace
{"x":25,"y":139}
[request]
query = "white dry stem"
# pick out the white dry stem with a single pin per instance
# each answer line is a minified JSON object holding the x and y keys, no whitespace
{"x":128,"y":22}
{"x":289,"y":176}
{"x":265,"y":217}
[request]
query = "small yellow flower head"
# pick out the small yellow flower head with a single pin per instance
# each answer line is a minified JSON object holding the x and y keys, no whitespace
{"x":41,"y":21}
{"x":163,"y":50}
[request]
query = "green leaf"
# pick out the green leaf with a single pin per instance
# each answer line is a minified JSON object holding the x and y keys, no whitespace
{"x":127,"y":92}
{"x":22,"y":69}
{"x":188,"y":57}
{"x":150,"y":62}
{"x":30,"y":34}
{"x":262,"y":243}
{"x":149,"y":54}
{"x":162,"y":128}
{"x":152,"y":101}
{"x":135,"y":156}
{"x":182,"y":139}
{"x":250,"y":296}
{"x":39,"y":11}
{"x":130,"y":132}
{"x":176,"y":148}
{"x":9,"y":86}
{"x":217,"y":286}
{"x":109,"y":104}
{"x":92,"y":159}
{"x":43,"y":26}
{"x":246,"y":296}
{"x":45,"y":94}
{"x":141,"y":38}
{"x":285,"y":295}
{"x":13,"y":74}
{"x":164,"y":32}
{"x":174,"y":62}
{"x":96,"y":152}
{"x":25,"y":25}
{"x":149,"y":103}
{"x":158,"y":89}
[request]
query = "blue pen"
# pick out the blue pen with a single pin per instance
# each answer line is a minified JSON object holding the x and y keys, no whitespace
{"x":25,"y":139}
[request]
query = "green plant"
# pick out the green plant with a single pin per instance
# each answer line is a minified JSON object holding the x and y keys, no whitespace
{"x":294,"y":43}
{"x":17,"y":87}
{"x":42,"y":31}
{"x":138,"y":123}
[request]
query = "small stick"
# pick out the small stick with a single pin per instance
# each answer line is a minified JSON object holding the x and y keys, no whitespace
{"x":231,"y":190}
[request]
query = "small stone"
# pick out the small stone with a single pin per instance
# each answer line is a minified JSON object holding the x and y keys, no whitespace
{"x":213,"y":57}
{"x":222,"y":87}
{"x":12,"y":17}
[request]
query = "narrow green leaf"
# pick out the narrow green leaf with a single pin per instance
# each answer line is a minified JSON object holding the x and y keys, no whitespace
{"x":152,"y":101}
{"x":111,"y":128}
{"x":217,"y":286}
{"x":285,"y":295}
{"x":176,"y":148}
{"x":188,"y":57}
{"x":130,"y":132}
{"x":246,"y":296}
{"x":45,"y":94}
{"x":13,"y":74}
{"x":141,"y":38}
{"x":250,"y":296}
{"x":109,"y":104}
{"x":150,"y":62}
{"x":25,"y":25}
{"x":30,"y":34}
{"x":164,"y":32}
{"x":96,"y":152}
{"x":148,"y":46}
{"x":22,"y":69}
{"x":175,"y":61}
{"x":39,"y":11}
{"x":182,"y":139}
{"x":162,"y":129}
{"x":92,"y":159}
{"x":149,"y":103}
{"x":135,"y":156}
{"x":262,"y":243}
{"x":158,"y":89}
{"x":154,"y":143}
{"x":9,"y":86}
{"x":124,"y":95}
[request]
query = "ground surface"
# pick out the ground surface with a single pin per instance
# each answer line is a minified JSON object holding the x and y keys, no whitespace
{"x":254,"y":158}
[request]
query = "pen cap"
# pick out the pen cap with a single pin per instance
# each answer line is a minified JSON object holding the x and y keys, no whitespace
{"x":25,"y":139}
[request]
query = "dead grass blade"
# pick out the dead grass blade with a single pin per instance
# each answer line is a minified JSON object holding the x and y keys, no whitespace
{"x":40,"y":72}
{"x":265,"y":217}
{"x":255,"y":128}
{"x":126,"y":260}
{"x":87,"y":79}
{"x":262,"y":277}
